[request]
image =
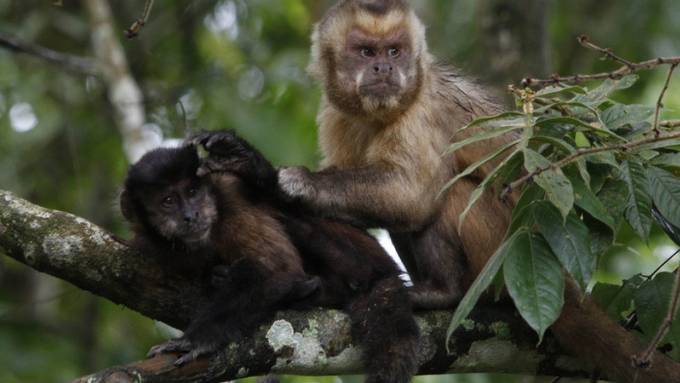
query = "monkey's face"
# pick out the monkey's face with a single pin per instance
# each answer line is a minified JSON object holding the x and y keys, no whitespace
{"x":185,"y":211}
{"x":380,"y":71}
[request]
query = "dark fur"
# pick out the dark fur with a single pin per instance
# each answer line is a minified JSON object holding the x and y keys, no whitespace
{"x":272,"y":251}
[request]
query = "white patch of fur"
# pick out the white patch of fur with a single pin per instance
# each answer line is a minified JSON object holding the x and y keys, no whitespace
{"x":402,"y":79}
{"x":359,"y":80}
{"x":293,"y":182}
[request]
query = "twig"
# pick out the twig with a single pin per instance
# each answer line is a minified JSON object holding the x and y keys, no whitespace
{"x":645,"y":359}
{"x":584,"y":40}
{"x":661,"y":266}
{"x":670,"y":124}
{"x":659,"y":103}
{"x":77,"y":64}
{"x":627,"y":68}
{"x":136,"y":27}
{"x":585,"y":152}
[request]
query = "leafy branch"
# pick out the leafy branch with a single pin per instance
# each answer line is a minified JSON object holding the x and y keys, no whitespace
{"x":591,"y":166}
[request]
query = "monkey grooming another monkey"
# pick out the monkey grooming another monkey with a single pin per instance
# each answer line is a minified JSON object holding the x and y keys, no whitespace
{"x":387,"y":114}
{"x":269,"y":255}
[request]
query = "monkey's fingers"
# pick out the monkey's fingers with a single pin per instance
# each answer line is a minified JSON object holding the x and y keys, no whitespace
{"x":196,"y":353}
{"x":219,"y":164}
{"x":174,"y":345}
{"x":220,"y":142}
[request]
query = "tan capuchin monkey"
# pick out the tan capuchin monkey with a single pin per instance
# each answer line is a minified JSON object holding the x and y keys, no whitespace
{"x":388,"y":113}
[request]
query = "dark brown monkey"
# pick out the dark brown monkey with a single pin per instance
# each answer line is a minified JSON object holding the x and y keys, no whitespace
{"x":387,"y":114}
{"x":275,"y":256}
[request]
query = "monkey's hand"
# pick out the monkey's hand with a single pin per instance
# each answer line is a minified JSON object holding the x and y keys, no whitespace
{"x":226,"y":152}
{"x":229,"y":153}
{"x":296,"y":183}
{"x":219,"y":276}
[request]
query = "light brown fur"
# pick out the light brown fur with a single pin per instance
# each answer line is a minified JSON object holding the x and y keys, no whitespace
{"x":386,"y":167}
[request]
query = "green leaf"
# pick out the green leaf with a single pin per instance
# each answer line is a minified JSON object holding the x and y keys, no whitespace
{"x":555,"y":90}
{"x":504,"y":119}
{"x":668,"y":160}
{"x":569,"y":149}
{"x":603,"y":158}
{"x":588,"y":201}
{"x":578,"y":124}
{"x":639,"y":204}
{"x":480,"y":285}
{"x":570,"y":242}
{"x":470,"y":169}
{"x":535,"y":281}
{"x":652,"y":302}
{"x":620,"y":115}
{"x":600,"y":94}
{"x":617,"y":300}
{"x":553,"y":181}
{"x":665,"y":188}
{"x":483,"y":136}
{"x":532,"y":194}
{"x":479,"y":191}
{"x":574,"y":108}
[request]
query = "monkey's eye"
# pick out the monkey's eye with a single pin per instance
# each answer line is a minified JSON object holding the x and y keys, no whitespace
{"x":393,"y":52}
{"x":191,"y":192}
{"x":167,"y":201}
{"x":367,"y":52}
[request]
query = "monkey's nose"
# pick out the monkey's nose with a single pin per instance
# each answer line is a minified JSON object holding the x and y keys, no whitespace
{"x":382,"y":68}
{"x":190,"y":217}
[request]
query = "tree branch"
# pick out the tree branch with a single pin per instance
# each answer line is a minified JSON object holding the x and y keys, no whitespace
{"x":627,"y":68}
{"x":495,"y":339}
{"x":72,"y":63}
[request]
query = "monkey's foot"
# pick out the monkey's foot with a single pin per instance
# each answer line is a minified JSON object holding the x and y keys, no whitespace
{"x":189,"y":351}
{"x":180,"y":345}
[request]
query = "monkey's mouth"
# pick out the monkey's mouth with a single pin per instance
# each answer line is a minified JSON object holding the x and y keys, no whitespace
{"x":380,"y":89}
{"x":196,"y":233}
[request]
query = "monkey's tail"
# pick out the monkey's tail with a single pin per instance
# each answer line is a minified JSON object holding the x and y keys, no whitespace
{"x":383,"y":323}
{"x":586,"y":331}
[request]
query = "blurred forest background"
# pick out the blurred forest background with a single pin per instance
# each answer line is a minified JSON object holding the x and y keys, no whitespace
{"x":207,"y":64}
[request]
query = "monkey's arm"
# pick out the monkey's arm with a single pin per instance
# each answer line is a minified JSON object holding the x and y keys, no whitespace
{"x":369,"y":196}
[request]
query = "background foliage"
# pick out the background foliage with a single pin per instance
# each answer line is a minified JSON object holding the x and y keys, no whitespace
{"x":242,"y":65}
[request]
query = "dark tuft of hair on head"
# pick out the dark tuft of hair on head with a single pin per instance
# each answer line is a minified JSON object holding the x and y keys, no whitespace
{"x":163,"y":166}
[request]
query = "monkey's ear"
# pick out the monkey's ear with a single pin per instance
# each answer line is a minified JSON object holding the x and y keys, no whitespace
{"x":127,"y":207}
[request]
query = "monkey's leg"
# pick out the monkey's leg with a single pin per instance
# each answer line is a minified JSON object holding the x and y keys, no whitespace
{"x":439,"y":276}
{"x":249,"y":297}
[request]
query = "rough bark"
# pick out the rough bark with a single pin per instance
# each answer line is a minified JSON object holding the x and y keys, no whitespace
{"x":494,"y":339}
